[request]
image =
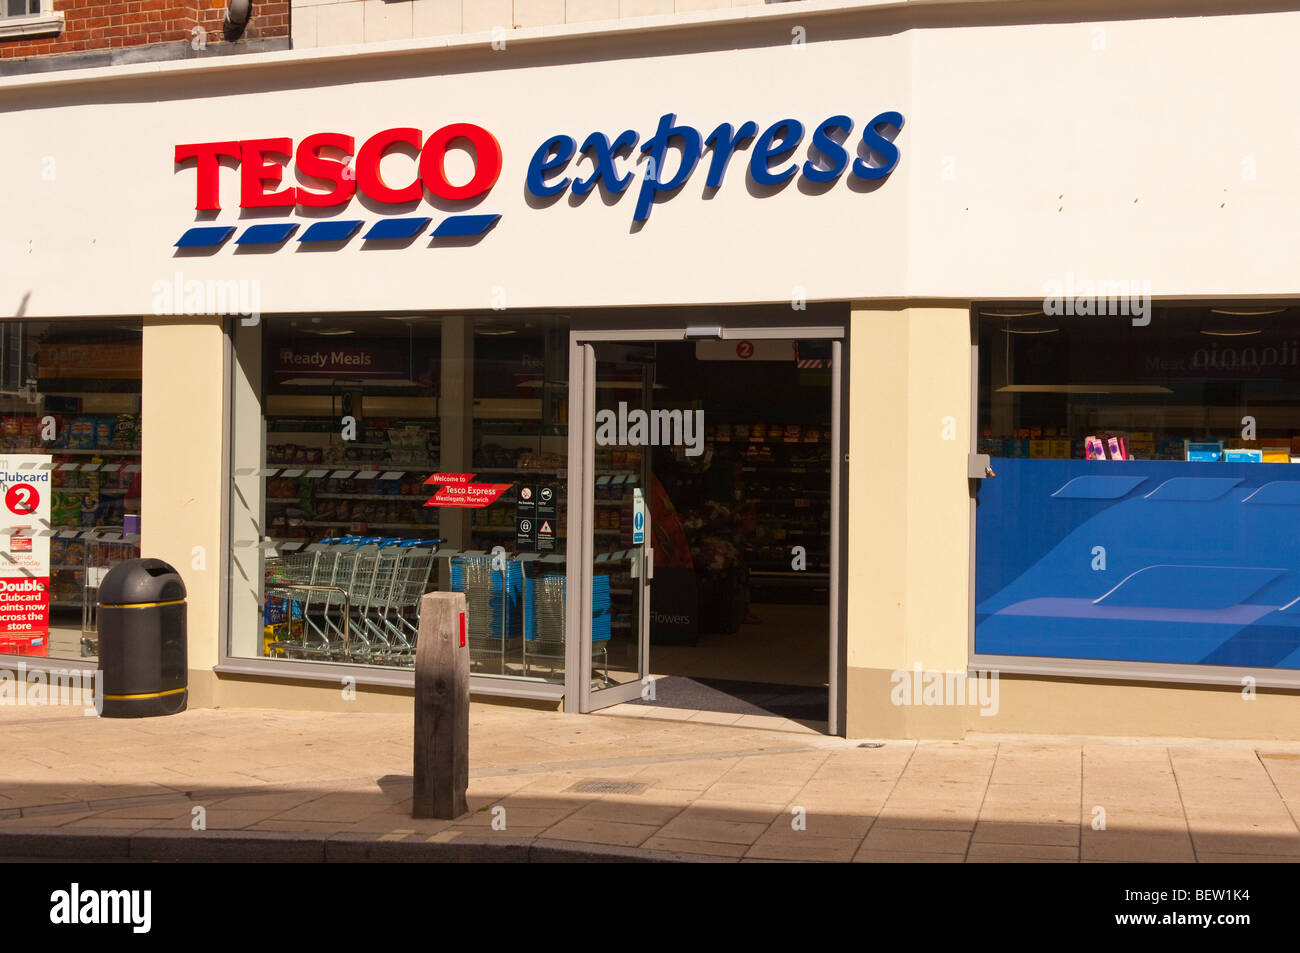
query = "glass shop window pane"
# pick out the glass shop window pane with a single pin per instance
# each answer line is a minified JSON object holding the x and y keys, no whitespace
{"x":351,"y":507}
{"x":70,"y":437}
{"x":1144,"y":502}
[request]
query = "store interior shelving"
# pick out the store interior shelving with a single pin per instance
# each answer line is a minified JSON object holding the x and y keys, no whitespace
{"x":782,"y":478}
{"x":90,"y":482}
{"x":313,"y":504}
{"x":302,"y":506}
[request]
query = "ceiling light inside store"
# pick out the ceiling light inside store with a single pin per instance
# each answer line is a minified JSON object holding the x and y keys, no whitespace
{"x":332,"y":332}
{"x":1012,"y":314}
{"x":608,"y":385}
{"x":1246,"y":313}
{"x":322,"y":382}
{"x":494,"y":332}
{"x":1030,"y":330}
{"x":1231,"y":334}
{"x":1084,"y":389}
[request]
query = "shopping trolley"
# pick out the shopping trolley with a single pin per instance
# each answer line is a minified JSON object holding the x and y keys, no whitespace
{"x":105,"y":548}
{"x":388,"y":580}
{"x":403,"y":579}
{"x":304,"y":582}
{"x":353,"y":598}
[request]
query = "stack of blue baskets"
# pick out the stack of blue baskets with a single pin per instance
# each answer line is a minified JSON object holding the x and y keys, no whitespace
{"x":600,"y":609}
{"x":494,"y":597}
{"x":505,"y":601}
{"x":523,"y":602}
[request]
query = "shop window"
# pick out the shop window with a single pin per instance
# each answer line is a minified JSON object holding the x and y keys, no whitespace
{"x":1146,"y":496}
{"x":70,"y":477}
{"x":378,"y":458}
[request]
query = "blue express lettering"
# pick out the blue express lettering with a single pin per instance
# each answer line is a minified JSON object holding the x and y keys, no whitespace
{"x":771,"y":153}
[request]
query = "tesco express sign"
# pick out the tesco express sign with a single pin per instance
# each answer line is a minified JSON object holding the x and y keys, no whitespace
{"x":341,"y":169}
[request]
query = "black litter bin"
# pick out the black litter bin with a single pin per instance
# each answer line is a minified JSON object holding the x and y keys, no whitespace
{"x":142,"y":642}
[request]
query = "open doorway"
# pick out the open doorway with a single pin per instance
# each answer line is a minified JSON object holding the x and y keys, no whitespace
{"x":740,"y":510}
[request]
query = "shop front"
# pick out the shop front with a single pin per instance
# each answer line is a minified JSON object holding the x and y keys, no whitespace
{"x":814,"y":379}
{"x":404,"y":453}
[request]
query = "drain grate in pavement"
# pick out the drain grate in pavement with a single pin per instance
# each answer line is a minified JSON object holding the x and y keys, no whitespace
{"x":609,"y":787}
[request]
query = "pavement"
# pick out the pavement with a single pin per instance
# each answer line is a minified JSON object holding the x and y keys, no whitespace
{"x":280,"y":785}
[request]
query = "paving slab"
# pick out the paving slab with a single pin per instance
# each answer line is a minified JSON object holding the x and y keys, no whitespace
{"x":308,"y":786}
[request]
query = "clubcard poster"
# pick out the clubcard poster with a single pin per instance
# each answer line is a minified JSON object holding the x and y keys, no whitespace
{"x":25,"y":487}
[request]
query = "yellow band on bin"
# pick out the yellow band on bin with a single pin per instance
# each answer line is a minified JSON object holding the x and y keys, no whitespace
{"x":142,"y":605}
{"x":121,"y":698}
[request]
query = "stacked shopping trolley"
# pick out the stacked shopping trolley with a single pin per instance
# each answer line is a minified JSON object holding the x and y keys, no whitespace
{"x":349,"y":599}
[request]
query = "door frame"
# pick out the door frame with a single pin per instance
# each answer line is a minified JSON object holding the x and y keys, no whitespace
{"x":581,"y":495}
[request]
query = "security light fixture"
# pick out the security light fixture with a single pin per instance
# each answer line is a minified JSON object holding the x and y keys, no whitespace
{"x":712,"y":332}
{"x":238,"y":14}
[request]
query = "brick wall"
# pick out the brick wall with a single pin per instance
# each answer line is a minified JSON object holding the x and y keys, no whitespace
{"x":110,"y":24}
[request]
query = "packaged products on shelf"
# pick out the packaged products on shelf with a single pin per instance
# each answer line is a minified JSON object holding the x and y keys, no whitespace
{"x":1171,"y":448}
{"x":1242,"y":455}
{"x":1203,"y":451}
{"x":124,"y":432}
{"x":65,"y":511}
{"x":81,"y":433}
{"x":103,"y":429}
{"x":1142,"y":443}
{"x":89,"y":509}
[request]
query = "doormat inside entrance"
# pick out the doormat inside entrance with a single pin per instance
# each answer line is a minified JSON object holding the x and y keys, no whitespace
{"x":797,"y":702}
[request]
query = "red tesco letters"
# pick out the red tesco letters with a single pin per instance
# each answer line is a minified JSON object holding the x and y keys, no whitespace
{"x":263,"y":163}
{"x":255,"y":172}
{"x":312,"y":163}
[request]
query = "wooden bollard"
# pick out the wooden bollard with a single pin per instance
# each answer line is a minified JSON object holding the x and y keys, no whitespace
{"x":442,"y":707}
